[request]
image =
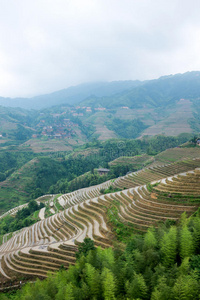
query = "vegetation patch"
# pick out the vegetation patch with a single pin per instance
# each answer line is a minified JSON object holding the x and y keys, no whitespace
{"x":109,"y":190}
{"x":123,"y":231}
{"x":23,"y":218}
{"x":126,"y":128}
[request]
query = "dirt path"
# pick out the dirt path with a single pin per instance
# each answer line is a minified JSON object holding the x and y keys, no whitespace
{"x":41,"y":213}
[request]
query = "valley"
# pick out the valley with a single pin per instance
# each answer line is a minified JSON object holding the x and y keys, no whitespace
{"x":162,"y":106}
{"x":111,"y":181}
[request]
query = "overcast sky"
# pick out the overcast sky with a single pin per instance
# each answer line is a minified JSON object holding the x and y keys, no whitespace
{"x":47,"y":45}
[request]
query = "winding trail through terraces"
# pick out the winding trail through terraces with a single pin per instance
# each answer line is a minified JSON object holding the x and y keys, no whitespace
{"x":42,"y":213}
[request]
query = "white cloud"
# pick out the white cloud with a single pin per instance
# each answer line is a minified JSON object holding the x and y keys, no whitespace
{"x":47,"y":45}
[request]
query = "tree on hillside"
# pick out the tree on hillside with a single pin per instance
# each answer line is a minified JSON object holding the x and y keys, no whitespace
{"x":186,"y":243}
{"x":169,"y":247}
{"x":108,"y":283}
{"x":85,"y":247}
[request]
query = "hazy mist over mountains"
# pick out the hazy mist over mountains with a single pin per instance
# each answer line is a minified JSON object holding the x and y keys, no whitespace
{"x":136,"y":93}
{"x":71,"y":95}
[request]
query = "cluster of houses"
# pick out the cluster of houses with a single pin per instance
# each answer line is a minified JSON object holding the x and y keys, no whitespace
{"x":60,"y":130}
{"x":89,"y":109}
{"x":79,"y":111}
{"x":59,"y":127}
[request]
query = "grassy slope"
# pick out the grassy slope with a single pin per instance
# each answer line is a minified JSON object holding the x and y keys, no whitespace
{"x":170,"y":121}
{"x":13,"y":191}
{"x":174,"y":154}
{"x":167,"y":156}
{"x":137,"y":161}
{"x":21,"y":185}
{"x":46,"y":145}
{"x":98,"y":119}
{"x":175,"y":123}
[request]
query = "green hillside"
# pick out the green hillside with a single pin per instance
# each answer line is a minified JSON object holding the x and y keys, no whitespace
{"x":89,"y":241}
{"x":71,"y":95}
{"x":168,"y":105}
{"x":160,"y":92}
{"x":26,"y":175}
{"x":132,"y":233}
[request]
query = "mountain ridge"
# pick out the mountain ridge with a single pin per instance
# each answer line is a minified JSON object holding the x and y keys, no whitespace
{"x":70,"y":95}
{"x":133,"y":93}
{"x":154,"y":93}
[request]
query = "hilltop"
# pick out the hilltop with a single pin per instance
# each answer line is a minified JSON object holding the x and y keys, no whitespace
{"x":71,"y":95}
{"x":163,"y":91}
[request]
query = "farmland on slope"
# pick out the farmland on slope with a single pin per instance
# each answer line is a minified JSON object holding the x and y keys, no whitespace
{"x":53,"y":241}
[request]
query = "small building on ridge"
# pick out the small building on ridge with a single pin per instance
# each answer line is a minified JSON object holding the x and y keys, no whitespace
{"x":103,"y":171}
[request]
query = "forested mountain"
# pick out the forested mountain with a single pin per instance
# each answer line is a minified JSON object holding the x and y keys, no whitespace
{"x":135,"y":94}
{"x":153,"y":93}
{"x":71,"y":95}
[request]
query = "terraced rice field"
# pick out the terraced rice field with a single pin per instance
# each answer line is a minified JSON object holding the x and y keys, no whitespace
{"x":175,"y":123}
{"x":14,"y":210}
{"x":134,"y":161}
{"x":175,"y":154}
{"x":39,"y":146}
{"x":184,"y":183}
{"x":53,"y":241}
{"x":156,"y":172}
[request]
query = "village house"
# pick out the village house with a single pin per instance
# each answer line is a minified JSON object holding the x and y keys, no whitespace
{"x":100,"y":108}
{"x":103,"y":171}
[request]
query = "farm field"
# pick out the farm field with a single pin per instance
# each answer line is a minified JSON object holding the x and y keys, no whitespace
{"x":102,"y":131}
{"x":38,"y":145}
{"x":175,"y":154}
{"x":148,"y":197}
{"x":135,"y":161}
{"x":175,"y":123}
{"x":145,"y":114}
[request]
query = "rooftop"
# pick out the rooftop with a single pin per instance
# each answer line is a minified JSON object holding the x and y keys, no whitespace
{"x":103,"y":170}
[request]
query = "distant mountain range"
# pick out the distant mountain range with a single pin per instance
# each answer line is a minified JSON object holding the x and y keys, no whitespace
{"x":71,"y":95}
{"x":165,"y":91}
{"x":158,"y":92}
